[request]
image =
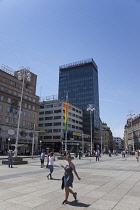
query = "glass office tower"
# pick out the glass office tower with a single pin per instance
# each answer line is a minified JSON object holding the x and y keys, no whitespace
{"x":78,"y":84}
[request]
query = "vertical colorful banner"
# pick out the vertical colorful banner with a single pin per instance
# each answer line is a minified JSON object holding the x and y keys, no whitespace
{"x":66,"y":116}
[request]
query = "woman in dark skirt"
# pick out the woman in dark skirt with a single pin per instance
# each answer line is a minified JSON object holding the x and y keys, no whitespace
{"x":68,"y":179}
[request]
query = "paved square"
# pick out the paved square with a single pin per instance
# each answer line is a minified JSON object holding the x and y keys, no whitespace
{"x":111,"y":183}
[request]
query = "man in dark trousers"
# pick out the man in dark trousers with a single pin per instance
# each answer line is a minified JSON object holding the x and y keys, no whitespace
{"x":10,"y":158}
{"x":97,"y":155}
{"x":80,"y":154}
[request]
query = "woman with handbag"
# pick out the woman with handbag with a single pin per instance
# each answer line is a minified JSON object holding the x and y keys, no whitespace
{"x":68,"y":179}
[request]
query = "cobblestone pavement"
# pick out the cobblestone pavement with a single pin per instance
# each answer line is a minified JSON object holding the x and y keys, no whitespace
{"x":111,"y":183}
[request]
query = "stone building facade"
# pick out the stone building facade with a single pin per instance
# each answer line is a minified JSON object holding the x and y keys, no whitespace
{"x":10,"y":98}
{"x":107,"y":138}
{"x":132,"y":133}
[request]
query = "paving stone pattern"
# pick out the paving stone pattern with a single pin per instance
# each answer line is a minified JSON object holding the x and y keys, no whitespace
{"x":111,"y":183}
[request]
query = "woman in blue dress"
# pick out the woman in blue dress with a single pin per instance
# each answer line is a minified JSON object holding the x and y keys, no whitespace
{"x":68,"y":179}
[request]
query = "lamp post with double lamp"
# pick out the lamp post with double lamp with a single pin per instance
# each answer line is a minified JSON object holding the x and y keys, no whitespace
{"x":91,"y":109}
{"x":23,"y":74}
{"x":131,"y":114}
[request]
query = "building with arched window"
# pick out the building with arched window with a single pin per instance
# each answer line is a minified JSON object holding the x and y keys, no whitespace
{"x":10,"y":98}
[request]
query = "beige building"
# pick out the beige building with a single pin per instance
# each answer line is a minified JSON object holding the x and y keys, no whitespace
{"x":119,"y":142}
{"x":132,"y":133}
{"x":10,"y":97}
{"x":107,"y":138}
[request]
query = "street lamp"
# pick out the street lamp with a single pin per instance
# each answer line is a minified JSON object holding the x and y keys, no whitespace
{"x":126,"y":135}
{"x":33,"y":141}
{"x":8,"y":142}
{"x":131,"y":114}
{"x":77,"y":147}
{"x":22,"y":75}
{"x":83,"y":136}
{"x":101,"y":144}
{"x":91,"y":109}
{"x":40,"y":145}
{"x":62,"y":146}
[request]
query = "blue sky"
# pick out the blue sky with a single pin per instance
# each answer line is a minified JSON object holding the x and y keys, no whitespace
{"x":44,"y":34}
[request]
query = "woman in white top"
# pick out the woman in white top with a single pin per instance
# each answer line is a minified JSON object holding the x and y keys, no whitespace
{"x":51,"y":159}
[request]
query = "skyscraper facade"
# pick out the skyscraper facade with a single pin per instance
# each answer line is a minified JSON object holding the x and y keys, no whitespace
{"x":78,"y":83}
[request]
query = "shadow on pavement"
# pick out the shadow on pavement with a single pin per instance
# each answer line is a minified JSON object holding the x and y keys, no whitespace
{"x":77,"y":203}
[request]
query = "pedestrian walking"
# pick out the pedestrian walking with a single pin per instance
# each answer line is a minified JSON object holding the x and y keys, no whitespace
{"x":42,"y":157}
{"x":97,"y":155}
{"x":109,"y":152}
{"x":76,"y":154}
{"x":137,"y":155}
{"x":64,"y":153}
{"x":10,"y":158}
{"x":80,"y":154}
{"x":68,"y":179}
{"x":51,"y":160}
{"x":123,"y":155}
